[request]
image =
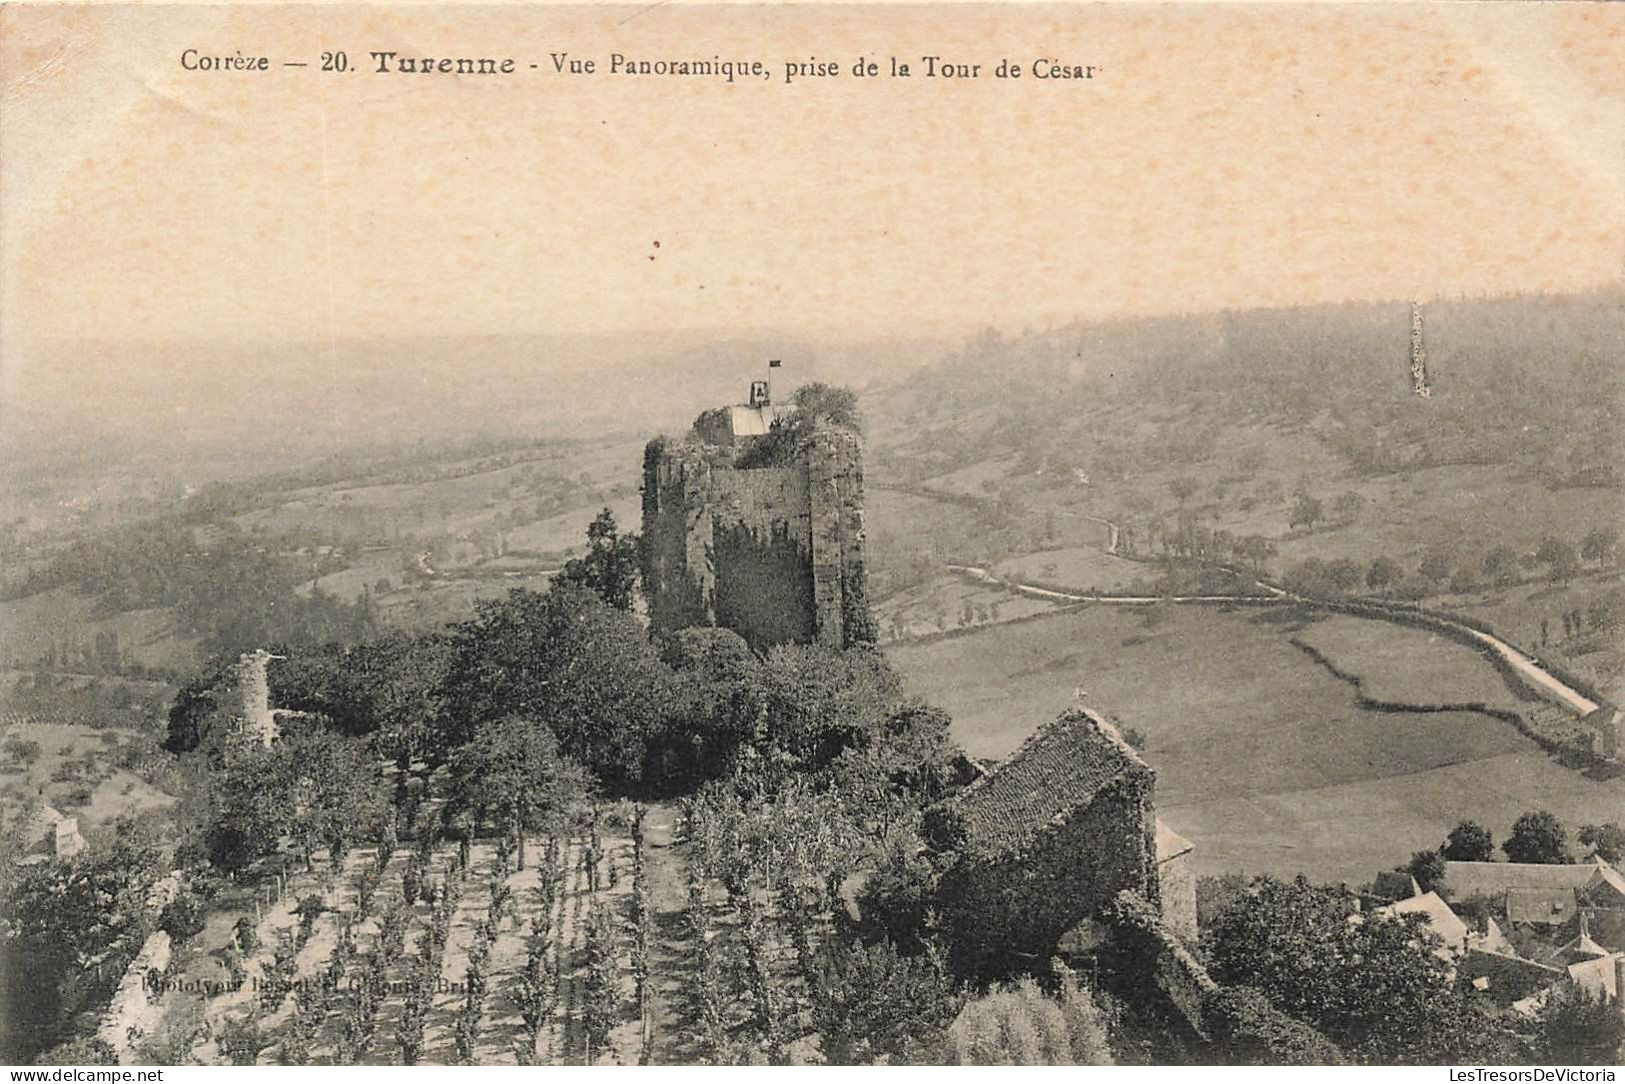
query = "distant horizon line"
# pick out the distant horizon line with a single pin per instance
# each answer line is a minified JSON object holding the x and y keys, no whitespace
{"x":844,"y":333}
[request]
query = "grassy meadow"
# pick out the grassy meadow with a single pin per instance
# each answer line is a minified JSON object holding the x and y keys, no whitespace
{"x":1264,"y":758}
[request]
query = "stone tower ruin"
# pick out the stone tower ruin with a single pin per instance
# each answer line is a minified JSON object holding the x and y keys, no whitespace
{"x":257,"y":720}
{"x":774,"y":552}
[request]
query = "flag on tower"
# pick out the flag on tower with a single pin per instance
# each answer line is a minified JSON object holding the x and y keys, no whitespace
{"x":773,"y":364}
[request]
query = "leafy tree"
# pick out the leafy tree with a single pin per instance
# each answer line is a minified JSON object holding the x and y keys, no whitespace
{"x":388,"y":686}
{"x":610,"y":566}
{"x":828,"y":402}
{"x":897,"y":897}
{"x":1558,"y":554}
{"x":63,"y":917}
{"x":1345,"y":575}
{"x":1540,"y":838}
{"x":1373,"y":986}
{"x":873,"y":1002}
{"x":512,"y":773}
{"x":1348,"y":506}
{"x":1019,"y":1024}
{"x":1427,"y":867}
{"x":1383,"y":574}
{"x":815,"y":702}
{"x":1600,"y":544}
{"x":1607,"y":841}
{"x":1501,"y":565}
{"x":715,"y":706}
{"x":815,"y":404}
{"x":1183,"y":489}
{"x":334,"y":789}
{"x":1248,"y":1030}
{"x":571,"y":661}
{"x":1577,"y":1027}
{"x":1468,"y":842}
{"x":1306,"y":512}
{"x":182,"y":917}
{"x":1255,"y":550}
{"x":1436,"y":566}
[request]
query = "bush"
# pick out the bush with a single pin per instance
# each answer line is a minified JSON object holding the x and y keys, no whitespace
{"x":182,"y":917}
{"x":78,"y":1052}
{"x":1021,"y":1025}
{"x":1247,"y":1030}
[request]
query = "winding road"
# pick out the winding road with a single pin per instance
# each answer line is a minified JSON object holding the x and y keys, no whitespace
{"x":1527,"y":667}
{"x":1540,"y":680}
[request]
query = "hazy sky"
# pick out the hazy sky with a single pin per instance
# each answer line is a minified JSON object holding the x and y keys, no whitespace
{"x":1225,"y":157}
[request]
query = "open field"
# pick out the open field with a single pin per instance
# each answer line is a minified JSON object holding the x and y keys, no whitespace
{"x":1264,"y":758}
{"x":1083,"y":568}
{"x":64,"y":617}
{"x":901,"y":524}
{"x":555,"y":480}
{"x":1460,"y":508}
{"x":950,"y":602}
{"x":74,"y":768}
{"x":1401,"y":664}
{"x":1518,"y":614}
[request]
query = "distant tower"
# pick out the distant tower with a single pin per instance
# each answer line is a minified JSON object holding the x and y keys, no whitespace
{"x":253,"y":686}
{"x":1419,"y":354}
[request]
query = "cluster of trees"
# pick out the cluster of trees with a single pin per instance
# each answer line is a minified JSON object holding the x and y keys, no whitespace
{"x":641,"y":717}
{"x":873,"y":990}
{"x":1192,"y":540}
{"x":1371,"y":984}
{"x":1537,"y":837}
{"x":227,"y":588}
{"x":68,"y":930}
{"x":317,"y":789}
{"x":1528,"y":398}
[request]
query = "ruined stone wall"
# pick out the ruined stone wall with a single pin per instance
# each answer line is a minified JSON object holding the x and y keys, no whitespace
{"x":1176,"y":881}
{"x":254,"y":690}
{"x":1011,"y":909}
{"x":774,"y":553}
{"x":1145,"y":948}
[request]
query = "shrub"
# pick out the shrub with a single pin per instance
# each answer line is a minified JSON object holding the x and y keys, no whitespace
{"x":1248,"y":1030}
{"x":1021,"y":1025}
{"x":182,"y":917}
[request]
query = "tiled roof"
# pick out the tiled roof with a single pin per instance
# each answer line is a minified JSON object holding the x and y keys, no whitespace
{"x":755,"y":421}
{"x":1605,"y":877}
{"x":1059,"y":769}
{"x":1441,"y":919}
{"x":1546,"y":905}
{"x":1466,"y":880}
{"x":1597,"y":976}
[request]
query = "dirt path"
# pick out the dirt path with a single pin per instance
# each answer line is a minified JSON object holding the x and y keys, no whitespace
{"x":671,"y":962}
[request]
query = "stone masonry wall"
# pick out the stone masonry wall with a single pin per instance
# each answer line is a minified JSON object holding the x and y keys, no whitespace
{"x":1008,"y":910}
{"x":774,"y":553}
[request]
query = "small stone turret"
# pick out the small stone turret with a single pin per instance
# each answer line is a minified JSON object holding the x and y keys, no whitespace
{"x":259,"y":724}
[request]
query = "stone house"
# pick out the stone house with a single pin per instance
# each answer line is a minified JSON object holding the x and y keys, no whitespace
{"x":1051,"y":837}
